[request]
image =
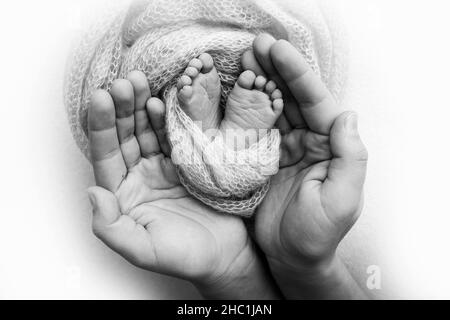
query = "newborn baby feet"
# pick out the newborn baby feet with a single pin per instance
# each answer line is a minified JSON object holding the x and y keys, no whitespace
{"x":199,"y":92}
{"x":254,"y":103}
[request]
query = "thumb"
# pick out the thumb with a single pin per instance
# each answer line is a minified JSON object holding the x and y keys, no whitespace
{"x":105,"y":208}
{"x":349,"y":163}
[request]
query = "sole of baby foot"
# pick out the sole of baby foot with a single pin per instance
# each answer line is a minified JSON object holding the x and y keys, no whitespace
{"x":254,"y":104}
{"x":199,"y":92}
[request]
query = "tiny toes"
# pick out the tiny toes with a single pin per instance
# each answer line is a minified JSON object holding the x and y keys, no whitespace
{"x":247,"y":79}
{"x":184,"y":81}
{"x":191,"y":72}
{"x":207,"y":62}
{"x":199,"y":92}
{"x":277,"y":106}
{"x":260,"y":83}
{"x":186,"y":92}
{"x":270,"y":87}
{"x":195,"y":63}
{"x":276,"y":94}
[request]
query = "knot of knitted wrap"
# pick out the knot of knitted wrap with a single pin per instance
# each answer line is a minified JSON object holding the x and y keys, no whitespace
{"x":159,"y":38}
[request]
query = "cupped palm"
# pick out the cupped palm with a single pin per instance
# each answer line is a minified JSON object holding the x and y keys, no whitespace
{"x":152,"y":221}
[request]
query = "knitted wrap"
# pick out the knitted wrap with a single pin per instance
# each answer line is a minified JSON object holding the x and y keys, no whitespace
{"x":159,"y":38}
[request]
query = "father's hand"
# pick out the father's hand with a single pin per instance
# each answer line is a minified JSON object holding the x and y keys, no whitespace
{"x":317,"y":195}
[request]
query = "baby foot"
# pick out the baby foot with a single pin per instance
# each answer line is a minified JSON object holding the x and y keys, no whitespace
{"x":254,"y":103}
{"x":199,"y":92}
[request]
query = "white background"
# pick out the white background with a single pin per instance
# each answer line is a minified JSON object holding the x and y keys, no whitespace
{"x":399,"y":85}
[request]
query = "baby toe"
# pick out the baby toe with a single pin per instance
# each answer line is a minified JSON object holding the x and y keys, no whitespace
{"x":186,"y":92}
{"x":260,"y":83}
{"x":276,"y":94}
{"x":247,"y":79}
{"x":270,"y":87}
{"x":196,"y":63}
{"x":207,"y":62}
{"x":277,"y":106}
{"x":184,"y":81}
{"x":191,"y":72}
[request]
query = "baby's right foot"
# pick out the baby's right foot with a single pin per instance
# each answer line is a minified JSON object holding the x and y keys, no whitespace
{"x":199,"y":92}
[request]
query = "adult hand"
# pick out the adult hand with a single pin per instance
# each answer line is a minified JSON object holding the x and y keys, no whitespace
{"x":317,"y":195}
{"x":142,"y":211}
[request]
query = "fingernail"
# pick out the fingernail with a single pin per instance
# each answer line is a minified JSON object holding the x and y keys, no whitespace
{"x":351,"y":123}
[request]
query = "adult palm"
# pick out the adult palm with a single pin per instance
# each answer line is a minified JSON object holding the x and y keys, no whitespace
{"x":140,"y":209}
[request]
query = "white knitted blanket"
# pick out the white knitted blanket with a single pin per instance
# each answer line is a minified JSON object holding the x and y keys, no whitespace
{"x":159,"y":38}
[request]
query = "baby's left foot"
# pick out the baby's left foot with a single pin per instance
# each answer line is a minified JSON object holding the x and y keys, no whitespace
{"x":254,"y":104}
{"x":199,"y":92}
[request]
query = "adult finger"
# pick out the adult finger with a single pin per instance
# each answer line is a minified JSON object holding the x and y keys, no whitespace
{"x":106,"y":156}
{"x":148,"y":142}
{"x":249,"y":62}
{"x":261,"y":49}
{"x":157,"y":113}
{"x":316,"y":103}
{"x":122,"y":93}
{"x":347,"y":170}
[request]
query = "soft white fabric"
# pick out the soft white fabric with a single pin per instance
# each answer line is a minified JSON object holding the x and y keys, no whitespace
{"x":159,"y":38}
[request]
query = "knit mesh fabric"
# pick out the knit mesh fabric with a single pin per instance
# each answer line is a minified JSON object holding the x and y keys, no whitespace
{"x":159,"y":38}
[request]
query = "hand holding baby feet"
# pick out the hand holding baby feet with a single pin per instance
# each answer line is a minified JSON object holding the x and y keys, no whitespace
{"x":316,"y":196}
{"x":143,"y":212}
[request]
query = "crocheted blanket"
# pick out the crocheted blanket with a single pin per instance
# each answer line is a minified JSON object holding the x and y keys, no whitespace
{"x":159,"y":38}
